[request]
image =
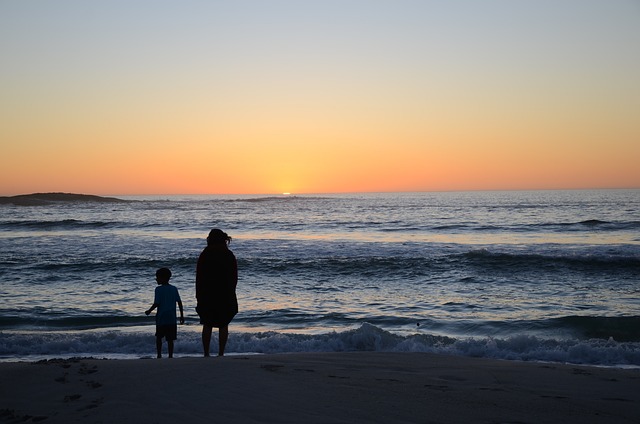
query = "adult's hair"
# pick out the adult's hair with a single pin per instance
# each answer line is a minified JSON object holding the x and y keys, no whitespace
{"x":217,"y":236}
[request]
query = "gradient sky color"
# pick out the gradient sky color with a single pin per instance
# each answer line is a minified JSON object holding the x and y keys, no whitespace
{"x":258,"y":96}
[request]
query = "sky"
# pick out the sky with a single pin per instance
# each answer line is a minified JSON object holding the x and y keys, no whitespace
{"x":126,"y":97}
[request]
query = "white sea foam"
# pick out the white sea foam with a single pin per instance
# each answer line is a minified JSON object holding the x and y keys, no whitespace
{"x":136,"y":344}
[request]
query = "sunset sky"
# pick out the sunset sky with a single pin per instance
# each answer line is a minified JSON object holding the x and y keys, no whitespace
{"x":257,"y":96}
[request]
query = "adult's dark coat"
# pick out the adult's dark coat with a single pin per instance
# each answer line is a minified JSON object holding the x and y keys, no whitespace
{"x":216,"y":280}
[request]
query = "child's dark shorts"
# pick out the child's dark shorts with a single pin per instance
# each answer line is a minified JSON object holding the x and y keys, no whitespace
{"x":170,"y":332}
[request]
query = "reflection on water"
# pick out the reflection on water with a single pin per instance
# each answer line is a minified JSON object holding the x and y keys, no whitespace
{"x":444,"y":238}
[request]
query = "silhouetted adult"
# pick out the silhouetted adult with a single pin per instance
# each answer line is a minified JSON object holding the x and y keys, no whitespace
{"x":216,"y":280}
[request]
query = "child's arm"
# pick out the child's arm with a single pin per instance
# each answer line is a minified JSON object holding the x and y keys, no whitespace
{"x":154,"y":306}
{"x":181,"y":312}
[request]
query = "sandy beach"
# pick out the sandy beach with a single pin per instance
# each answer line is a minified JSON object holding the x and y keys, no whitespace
{"x":316,"y":388}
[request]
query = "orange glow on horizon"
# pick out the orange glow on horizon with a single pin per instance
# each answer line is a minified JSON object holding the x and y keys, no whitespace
{"x":325,"y":169}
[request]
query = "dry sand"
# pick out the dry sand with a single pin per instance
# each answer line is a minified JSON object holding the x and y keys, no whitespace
{"x":316,"y":388}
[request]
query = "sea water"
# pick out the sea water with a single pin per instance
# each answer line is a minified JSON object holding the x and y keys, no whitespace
{"x":529,"y":275}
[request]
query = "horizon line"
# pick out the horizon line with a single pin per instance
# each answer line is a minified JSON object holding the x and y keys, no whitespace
{"x":293,"y":194}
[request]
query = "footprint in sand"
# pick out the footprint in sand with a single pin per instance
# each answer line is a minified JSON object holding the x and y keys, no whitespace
{"x":94,"y":384}
{"x":86,"y":369}
{"x":12,"y":416}
{"x":578,"y":371}
{"x":272,"y":368}
{"x":93,"y":404}
{"x":71,"y":398}
{"x":62,"y":379}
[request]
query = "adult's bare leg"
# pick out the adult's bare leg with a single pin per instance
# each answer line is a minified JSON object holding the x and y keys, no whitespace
{"x":170,"y":348}
{"x":224,"y":336}
{"x":206,"y":338}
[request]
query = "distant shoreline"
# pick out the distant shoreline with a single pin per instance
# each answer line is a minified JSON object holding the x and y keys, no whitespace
{"x":42,"y":199}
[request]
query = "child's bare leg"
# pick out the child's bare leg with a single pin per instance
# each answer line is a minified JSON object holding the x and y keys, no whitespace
{"x":170,"y":348}
{"x":159,"y":346}
{"x":206,"y":338}
{"x":223,"y":337}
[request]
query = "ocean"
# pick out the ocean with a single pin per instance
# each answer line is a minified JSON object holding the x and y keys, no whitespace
{"x":516,"y":275}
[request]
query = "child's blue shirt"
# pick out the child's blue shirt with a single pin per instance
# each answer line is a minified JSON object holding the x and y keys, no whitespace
{"x":166,"y":297}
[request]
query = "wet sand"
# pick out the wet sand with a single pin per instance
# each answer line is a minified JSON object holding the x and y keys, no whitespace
{"x":316,"y":388}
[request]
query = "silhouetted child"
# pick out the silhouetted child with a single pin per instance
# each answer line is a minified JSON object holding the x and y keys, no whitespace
{"x":166,"y":297}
